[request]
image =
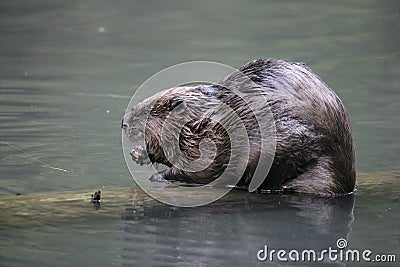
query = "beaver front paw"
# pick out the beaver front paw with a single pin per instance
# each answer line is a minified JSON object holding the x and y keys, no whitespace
{"x":139,"y":155}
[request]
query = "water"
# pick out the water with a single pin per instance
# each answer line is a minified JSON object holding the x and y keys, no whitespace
{"x":68,"y":70}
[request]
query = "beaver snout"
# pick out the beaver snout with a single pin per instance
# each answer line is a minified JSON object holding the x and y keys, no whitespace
{"x":139,"y":155}
{"x":124,"y":125}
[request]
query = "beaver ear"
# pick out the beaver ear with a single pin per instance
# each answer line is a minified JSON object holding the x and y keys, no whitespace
{"x":177,"y":104}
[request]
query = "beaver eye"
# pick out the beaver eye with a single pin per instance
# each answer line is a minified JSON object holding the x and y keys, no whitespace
{"x":177,"y":105}
{"x":174,"y":103}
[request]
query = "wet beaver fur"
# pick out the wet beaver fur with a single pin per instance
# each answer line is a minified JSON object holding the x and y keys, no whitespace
{"x":314,"y":145}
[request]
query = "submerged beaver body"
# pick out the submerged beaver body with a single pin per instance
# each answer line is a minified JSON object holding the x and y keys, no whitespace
{"x":314,"y":145}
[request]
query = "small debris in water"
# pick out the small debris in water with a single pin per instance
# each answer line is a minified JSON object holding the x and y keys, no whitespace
{"x":96,"y":197}
{"x":101,"y":29}
{"x":136,"y":202}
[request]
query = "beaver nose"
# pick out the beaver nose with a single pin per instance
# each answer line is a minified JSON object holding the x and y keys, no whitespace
{"x":124,"y":125}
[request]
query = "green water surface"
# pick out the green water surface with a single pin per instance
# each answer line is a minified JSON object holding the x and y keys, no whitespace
{"x":69,"y":68}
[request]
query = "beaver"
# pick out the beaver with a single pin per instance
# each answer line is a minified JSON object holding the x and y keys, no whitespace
{"x":314,"y":150}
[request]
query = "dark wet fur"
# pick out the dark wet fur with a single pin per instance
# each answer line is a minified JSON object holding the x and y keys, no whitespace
{"x":314,"y":145}
{"x":315,"y":151}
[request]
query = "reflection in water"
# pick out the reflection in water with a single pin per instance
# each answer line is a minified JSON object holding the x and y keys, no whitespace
{"x":231,"y":231}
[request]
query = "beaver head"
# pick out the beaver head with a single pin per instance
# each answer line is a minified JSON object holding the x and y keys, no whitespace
{"x":177,"y":126}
